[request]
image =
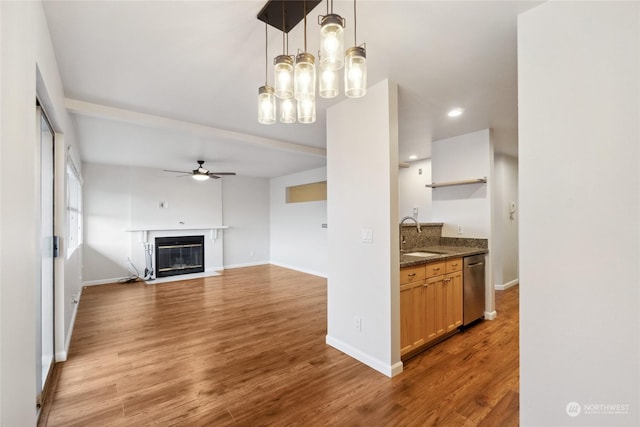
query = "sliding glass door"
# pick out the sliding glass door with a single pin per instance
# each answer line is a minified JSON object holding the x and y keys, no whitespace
{"x":44,"y":338}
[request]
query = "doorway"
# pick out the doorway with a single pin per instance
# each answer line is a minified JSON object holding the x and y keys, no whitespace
{"x":45,"y":289}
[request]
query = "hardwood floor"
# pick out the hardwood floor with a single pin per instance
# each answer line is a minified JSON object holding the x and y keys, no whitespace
{"x":247,"y":348}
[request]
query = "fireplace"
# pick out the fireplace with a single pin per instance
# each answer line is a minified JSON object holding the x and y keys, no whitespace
{"x":179,"y":255}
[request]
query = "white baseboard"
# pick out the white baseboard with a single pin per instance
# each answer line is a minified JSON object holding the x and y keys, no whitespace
{"x":181,"y":277}
{"x":385,"y":369}
{"x":302,"y":270}
{"x":507,"y":285}
{"x":101,"y":281}
{"x":490,"y":315}
{"x":247,"y":264}
{"x":61,"y":356}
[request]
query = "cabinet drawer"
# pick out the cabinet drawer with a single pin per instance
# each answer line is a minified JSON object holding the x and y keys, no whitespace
{"x":435,"y":269}
{"x":454,"y":265}
{"x":411,"y":274}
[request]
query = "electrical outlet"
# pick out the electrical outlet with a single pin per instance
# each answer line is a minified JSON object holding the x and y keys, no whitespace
{"x":459,"y":229}
{"x":357,"y":323}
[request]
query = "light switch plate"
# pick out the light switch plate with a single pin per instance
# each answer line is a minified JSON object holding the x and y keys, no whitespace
{"x":367,"y":235}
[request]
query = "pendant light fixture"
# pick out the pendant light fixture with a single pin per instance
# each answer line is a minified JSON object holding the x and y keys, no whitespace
{"x":305,"y":81}
{"x":355,"y":68}
{"x":307,"y":110}
{"x":288,"y":110}
{"x":331,"y":52}
{"x":331,"y":39}
{"x":266,"y":95}
{"x":295,"y":76}
{"x":284,"y":67}
{"x":328,"y":83}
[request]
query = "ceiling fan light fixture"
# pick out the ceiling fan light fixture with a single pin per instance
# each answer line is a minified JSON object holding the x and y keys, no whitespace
{"x":200,"y":177}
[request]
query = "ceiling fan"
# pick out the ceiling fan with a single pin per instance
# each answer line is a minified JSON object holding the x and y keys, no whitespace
{"x":202,"y":174}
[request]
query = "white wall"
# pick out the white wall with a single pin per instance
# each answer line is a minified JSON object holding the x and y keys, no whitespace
{"x":363,"y":282}
{"x":245,"y":205}
{"x":27,"y":68}
{"x":106,"y":216}
{"x":459,"y":158}
{"x":117,"y":198}
{"x":505,"y":229}
{"x":579,"y":94}
{"x":413,"y":193}
{"x":471,"y":206}
{"x":297,"y":238}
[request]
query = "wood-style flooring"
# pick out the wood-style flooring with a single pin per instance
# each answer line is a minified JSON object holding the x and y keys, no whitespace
{"x":248,"y":348}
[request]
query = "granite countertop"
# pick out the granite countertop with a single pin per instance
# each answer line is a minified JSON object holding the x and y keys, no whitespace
{"x":444,"y":253}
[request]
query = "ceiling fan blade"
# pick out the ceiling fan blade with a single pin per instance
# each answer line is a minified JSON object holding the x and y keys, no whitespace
{"x":166,"y":170}
{"x":222,"y":173}
{"x":214,"y":176}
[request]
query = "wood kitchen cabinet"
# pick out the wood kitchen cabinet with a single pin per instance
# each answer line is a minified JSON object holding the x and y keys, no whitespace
{"x":430,"y":303}
{"x":412,"y":315}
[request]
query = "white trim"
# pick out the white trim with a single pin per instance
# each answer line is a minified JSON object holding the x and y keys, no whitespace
{"x":247,"y":264}
{"x":302,"y":270}
{"x":102,"y":111}
{"x":507,"y":285}
{"x":180,"y":277}
{"x":490,"y":315}
{"x":102,"y":281}
{"x":385,"y":369}
{"x":61,"y":356}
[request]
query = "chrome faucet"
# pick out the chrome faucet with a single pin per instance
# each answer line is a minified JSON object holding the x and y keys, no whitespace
{"x":402,"y":240}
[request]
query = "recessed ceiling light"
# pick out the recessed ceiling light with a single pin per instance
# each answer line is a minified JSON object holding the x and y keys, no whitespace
{"x":413,"y":157}
{"x":455,"y":112}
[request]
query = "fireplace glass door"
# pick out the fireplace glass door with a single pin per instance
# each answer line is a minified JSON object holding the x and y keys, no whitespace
{"x":179,"y":255}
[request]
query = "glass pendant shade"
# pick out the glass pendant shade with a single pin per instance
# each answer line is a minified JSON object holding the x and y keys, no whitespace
{"x":266,"y":105}
{"x":307,"y":110}
{"x":284,"y":76}
{"x":329,"y":83}
{"x":304,"y":78}
{"x":287,"y":110}
{"x":331,"y":42}
{"x":355,"y":72}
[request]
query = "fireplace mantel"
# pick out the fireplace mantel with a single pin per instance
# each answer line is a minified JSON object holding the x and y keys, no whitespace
{"x":145,"y":231}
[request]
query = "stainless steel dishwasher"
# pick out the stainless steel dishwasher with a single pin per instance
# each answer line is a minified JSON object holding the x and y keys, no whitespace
{"x":473,"y":291}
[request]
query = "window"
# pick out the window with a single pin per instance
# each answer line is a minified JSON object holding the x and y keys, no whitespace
{"x":74,"y":209}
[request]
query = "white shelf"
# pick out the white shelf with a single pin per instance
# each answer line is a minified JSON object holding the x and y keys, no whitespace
{"x":463,"y":182}
{"x":145,"y":231}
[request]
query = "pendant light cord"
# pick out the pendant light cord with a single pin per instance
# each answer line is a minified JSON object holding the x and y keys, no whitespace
{"x":284,"y":27}
{"x":355,"y":23}
{"x":266,"y":54}
{"x":305,"y":26}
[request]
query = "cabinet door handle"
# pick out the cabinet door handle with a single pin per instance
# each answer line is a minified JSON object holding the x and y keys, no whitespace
{"x":411,"y":274}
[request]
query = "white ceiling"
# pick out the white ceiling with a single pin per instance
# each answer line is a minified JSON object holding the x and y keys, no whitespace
{"x":193,"y":69}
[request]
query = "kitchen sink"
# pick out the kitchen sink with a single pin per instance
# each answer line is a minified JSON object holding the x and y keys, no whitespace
{"x":422,"y":254}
